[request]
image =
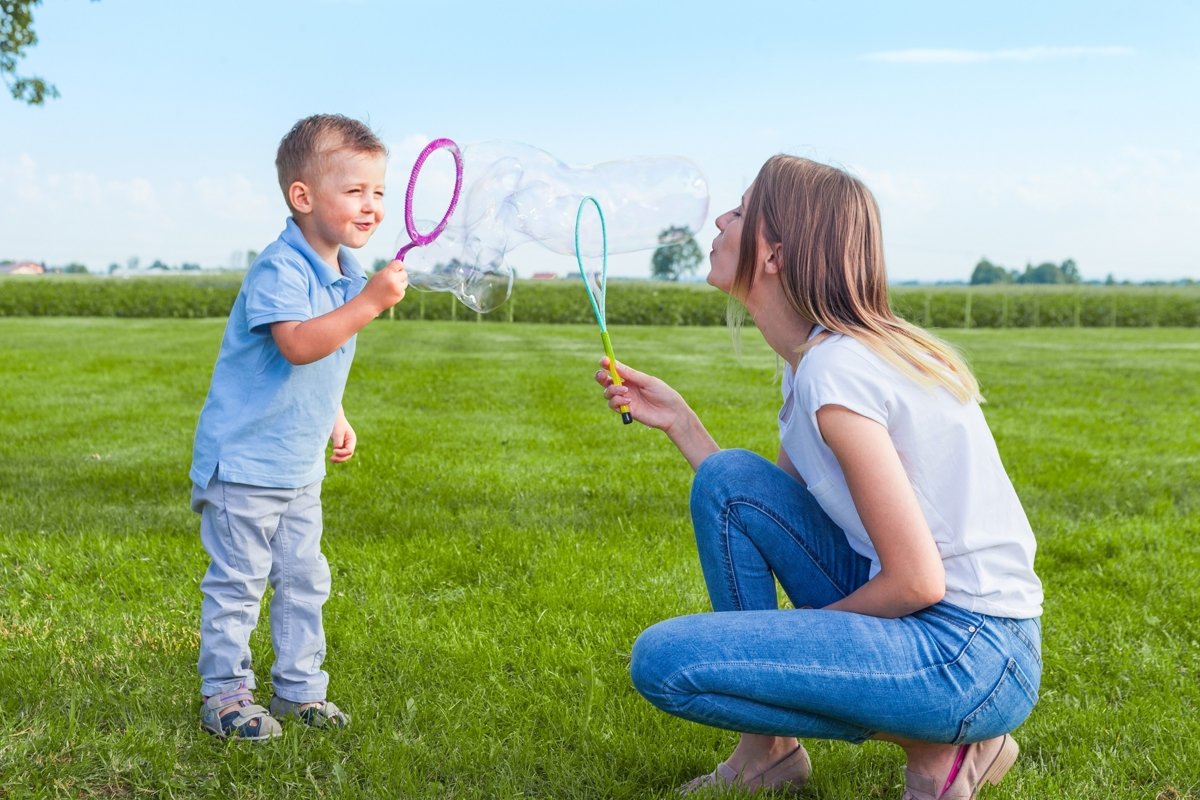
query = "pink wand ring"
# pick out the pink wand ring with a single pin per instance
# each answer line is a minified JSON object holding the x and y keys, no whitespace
{"x":420,"y":239}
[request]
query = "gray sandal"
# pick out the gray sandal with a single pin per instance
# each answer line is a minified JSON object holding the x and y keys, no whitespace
{"x":246,"y":721}
{"x":322,"y":715}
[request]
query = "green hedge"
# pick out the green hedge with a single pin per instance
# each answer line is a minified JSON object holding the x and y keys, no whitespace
{"x":1049,"y":306}
{"x":630,"y":302}
{"x":565,"y":301}
{"x":89,"y":296}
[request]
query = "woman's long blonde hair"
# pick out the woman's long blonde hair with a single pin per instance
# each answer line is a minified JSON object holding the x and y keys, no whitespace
{"x":826,"y":224}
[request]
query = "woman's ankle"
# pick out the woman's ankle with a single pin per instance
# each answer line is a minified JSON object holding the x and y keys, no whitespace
{"x":932,"y":759}
{"x":755,"y":753}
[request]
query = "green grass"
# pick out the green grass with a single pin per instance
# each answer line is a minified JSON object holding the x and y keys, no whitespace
{"x":499,"y":541}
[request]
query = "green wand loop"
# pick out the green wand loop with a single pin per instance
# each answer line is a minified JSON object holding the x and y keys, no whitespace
{"x":598,"y":304}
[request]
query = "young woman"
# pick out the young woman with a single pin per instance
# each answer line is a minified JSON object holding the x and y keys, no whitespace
{"x":888,"y":519}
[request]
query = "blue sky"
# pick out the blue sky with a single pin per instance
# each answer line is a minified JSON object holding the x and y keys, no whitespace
{"x":1021,"y":132}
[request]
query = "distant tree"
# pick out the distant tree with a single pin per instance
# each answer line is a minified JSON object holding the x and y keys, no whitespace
{"x":158,"y":266}
{"x":379,"y":264}
{"x":1051,"y":273}
{"x":986,"y":272}
{"x":677,"y":254}
{"x":251,"y":257}
{"x":113,"y":267}
{"x":16,"y":34}
{"x":75,"y":268}
{"x":1045,"y":272}
{"x":1070,"y":272}
{"x":189,"y":267}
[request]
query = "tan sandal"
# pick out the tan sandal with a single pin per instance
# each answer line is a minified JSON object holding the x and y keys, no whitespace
{"x":789,"y":773}
{"x":976,"y":764}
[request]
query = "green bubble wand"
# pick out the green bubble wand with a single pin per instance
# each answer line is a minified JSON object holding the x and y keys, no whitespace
{"x":598,"y":304}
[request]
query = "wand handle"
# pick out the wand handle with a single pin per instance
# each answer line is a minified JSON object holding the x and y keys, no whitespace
{"x":626,"y":417}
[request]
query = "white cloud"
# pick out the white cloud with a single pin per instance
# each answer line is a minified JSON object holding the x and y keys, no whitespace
{"x":75,"y":216}
{"x":953,"y":56}
{"x":228,"y":197}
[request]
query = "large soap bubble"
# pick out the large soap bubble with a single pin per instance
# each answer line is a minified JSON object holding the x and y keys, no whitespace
{"x":515,"y":194}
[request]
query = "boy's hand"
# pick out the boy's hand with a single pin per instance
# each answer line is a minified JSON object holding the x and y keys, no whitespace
{"x":343,"y":440}
{"x":387,"y":286}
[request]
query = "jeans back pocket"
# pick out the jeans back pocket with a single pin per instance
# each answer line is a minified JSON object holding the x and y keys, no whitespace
{"x":1005,"y":707}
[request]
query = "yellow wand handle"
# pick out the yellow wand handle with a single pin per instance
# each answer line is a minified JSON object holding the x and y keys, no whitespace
{"x":626,"y":417}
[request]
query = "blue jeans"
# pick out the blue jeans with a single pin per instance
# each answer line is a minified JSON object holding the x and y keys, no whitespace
{"x":254,"y":535}
{"x":943,"y":674}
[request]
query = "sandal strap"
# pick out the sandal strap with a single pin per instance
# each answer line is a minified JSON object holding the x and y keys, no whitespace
{"x":318,"y":716}
{"x":223,"y":699}
{"x":243,"y":720}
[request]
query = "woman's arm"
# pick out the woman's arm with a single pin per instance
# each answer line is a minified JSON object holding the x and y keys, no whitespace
{"x":656,"y":405}
{"x":911,"y":574}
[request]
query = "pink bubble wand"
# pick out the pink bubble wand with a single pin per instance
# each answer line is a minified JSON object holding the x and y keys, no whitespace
{"x":417,"y":238}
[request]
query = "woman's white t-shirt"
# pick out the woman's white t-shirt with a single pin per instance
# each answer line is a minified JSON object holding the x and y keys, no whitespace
{"x":981,"y":531}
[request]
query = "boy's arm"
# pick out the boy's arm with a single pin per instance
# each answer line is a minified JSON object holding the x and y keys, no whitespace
{"x":313,"y":339}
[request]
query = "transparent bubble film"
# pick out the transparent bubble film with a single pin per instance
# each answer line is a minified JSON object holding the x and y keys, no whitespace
{"x":514,"y":194}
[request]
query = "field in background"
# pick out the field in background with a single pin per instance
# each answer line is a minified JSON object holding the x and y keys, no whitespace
{"x":629,"y":302}
{"x":500,"y":540}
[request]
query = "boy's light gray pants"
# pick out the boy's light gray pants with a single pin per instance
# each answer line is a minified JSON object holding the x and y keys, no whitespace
{"x":252,"y":535}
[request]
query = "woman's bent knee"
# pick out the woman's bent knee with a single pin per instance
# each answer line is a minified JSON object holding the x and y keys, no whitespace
{"x":655,"y":658}
{"x":725,"y":466}
{"x":723,"y":474}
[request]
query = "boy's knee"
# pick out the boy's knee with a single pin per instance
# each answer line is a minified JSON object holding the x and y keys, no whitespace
{"x":312,"y":580}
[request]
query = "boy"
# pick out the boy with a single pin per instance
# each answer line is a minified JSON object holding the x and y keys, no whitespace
{"x":274,"y":401}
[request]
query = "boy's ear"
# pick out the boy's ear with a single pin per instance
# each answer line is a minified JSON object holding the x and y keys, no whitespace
{"x":300,"y":197}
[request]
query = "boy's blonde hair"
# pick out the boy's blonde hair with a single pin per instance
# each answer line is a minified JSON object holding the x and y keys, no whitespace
{"x":827,"y":225}
{"x":313,"y":138}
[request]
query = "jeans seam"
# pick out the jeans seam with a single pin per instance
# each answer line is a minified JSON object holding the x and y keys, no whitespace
{"x":285,"y":639}
{"x":225,"y":531}
{"x":797,"y":540}
{"x":1015,"y":629}
{"x":789,"y":668}
{"x":727,"y":556}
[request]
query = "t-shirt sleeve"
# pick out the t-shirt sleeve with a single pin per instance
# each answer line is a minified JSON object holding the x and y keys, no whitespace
{"x":277,"y":292}
{"x":835,"y":374}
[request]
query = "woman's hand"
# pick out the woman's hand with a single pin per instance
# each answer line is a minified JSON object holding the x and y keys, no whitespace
{"x":651,"y":401}
{"x":656,"y":405}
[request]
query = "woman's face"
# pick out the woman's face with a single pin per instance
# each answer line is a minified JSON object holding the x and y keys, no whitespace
{"x":723,"y":259}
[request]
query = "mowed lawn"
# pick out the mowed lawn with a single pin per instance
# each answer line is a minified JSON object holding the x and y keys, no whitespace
{"x":499,"y":541}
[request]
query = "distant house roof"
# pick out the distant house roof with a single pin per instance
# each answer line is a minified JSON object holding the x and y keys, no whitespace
{"x":23,"y":268}
{"x":544,"y":276}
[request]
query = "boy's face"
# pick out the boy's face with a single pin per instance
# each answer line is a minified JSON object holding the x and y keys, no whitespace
{"x":344,"y":201}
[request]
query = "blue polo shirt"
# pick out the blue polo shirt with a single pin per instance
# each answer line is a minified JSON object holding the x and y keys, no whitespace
{"x":266,"y":422}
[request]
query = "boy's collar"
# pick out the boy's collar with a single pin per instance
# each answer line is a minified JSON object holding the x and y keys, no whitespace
{"x":326,"y":273}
